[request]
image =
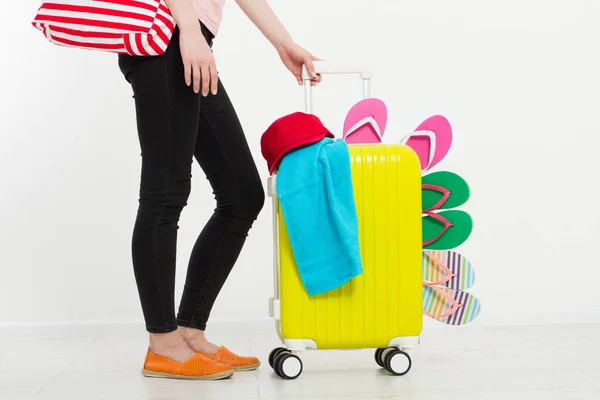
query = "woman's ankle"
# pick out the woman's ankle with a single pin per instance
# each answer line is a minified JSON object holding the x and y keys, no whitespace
{"x":197,"y":341}
{"x":171,"y":345}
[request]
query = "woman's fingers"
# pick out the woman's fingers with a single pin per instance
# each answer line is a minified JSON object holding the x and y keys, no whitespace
{"x":197,"y":77}
{"x":316,"y":78}
{"x":214,"y":79}
{"x":313,"y":81}
{"x":310,"y":67}
{"x":187,"y":73}
{"x":202,"y":76}
{"x":205,"y":79}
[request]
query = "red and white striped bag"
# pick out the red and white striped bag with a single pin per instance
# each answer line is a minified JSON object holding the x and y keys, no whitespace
{"x":135,"y":27}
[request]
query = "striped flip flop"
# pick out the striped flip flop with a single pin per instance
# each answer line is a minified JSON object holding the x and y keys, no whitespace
{"x":448,"y":269}
{"x":448,"y":306}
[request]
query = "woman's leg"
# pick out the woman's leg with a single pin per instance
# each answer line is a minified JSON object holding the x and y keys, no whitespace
{"x":167,"y":120}
{"x":223,"y":153}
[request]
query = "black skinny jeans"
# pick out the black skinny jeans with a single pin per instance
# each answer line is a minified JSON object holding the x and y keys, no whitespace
{"x":176,"y":125}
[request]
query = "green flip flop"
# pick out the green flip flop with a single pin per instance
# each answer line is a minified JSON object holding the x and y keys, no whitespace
{"x":446,"y":230}
{"x":444,"y":190}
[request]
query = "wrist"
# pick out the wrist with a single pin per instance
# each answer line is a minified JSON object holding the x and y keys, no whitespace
{"x":189,"y":26}
{"x":283,"y":44}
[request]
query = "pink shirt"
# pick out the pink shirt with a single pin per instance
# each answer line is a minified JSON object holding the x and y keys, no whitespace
{"x":210,"y":12}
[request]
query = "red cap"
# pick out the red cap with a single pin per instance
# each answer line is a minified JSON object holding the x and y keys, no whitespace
{"x":289,"y":133}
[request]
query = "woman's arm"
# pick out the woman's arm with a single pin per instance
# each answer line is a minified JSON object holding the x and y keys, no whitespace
{"x":184,"y":14}
{"x":262,"y":15}
{"x":198,"y":60}
{"x":292,"y":55}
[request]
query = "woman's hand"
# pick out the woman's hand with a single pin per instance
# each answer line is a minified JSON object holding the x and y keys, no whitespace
{"x":294,"y":56}
{"x":199,"y":63}
{"x":198,"y":60}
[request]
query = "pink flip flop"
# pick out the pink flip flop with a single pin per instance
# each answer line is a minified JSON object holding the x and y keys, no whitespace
{"x":431,"y":141}
{"x":366,"y":122}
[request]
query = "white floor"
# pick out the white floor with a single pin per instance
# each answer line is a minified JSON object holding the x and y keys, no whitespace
{"x":554,"y":362}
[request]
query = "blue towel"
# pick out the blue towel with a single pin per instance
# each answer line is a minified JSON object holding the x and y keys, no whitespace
{"x":314,"y":186}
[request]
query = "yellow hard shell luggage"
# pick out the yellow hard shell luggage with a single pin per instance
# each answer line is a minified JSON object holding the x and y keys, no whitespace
{"x":380,"y":309}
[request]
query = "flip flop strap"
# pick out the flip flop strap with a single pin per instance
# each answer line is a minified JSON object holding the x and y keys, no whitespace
{"x":436,"y":188}
{"x":432,"y":144}
{"x":439,"y":218}
{"x":443,"y":267}
{"x":455,"y":304}
{"x":367,"y":120}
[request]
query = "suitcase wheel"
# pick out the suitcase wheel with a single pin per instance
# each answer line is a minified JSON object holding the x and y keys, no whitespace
{"x":380,"y":355}
{"x":287,"y":365}
{"x":396,"y":362}
{"x":274,"y":354}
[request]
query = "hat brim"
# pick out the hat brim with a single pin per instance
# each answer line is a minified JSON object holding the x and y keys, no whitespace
{"x":295,"y":145}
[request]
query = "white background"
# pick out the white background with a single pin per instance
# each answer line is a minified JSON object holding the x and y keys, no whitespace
{"x":518,"y":79}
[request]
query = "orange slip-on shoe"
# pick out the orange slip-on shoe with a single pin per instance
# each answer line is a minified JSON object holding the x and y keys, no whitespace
{"x":196,"y":368}
{"x":238,"y":363}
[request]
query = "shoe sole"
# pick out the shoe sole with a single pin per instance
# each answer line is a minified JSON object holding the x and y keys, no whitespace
{"x":247,"y":367}
{"x":214,"y":377}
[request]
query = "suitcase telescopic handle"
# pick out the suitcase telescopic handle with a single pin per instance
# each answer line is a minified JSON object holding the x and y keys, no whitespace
{"x":338,"y":68}
{"x":335,"y":68}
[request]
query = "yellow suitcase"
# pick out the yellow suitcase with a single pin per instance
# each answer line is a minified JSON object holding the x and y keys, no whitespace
{"x":380,"y":309}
